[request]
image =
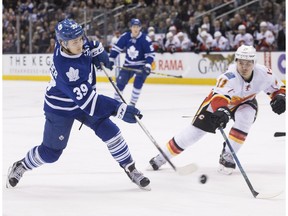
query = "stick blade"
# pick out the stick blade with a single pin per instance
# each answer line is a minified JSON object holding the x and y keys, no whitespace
{"x":180,"y":76}
{"x":187,"y":169}
{"x":268,"y":196}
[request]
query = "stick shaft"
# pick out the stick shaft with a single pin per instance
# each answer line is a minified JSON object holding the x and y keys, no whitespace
{"x":255,"y":193}
{"x":152,"y":72}
{"x":139,"y":121}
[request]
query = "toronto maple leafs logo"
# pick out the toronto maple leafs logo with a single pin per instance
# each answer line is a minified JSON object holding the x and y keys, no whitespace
{"x":132,"y":52}
{"x":73,"y":74}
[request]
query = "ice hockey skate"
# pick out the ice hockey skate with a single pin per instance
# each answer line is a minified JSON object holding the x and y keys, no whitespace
{"x":15,"y":173}
{"x":157,"y":162}
{"x":137,"y":177}
{"x":227,"y":164}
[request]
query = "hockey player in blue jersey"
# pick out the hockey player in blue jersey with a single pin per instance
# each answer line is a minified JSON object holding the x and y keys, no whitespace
{"x":71,"y":95}
{"x":139,"y":55}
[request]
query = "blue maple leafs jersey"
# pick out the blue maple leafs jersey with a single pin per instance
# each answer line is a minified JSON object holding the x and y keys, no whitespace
{"x":139,"y":51}
{"x":72,"y":88}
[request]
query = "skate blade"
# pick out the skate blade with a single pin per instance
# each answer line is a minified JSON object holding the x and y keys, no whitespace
{"x":225,"y":170}
{"x":7,"y":179}
{"x":150,"y":168}
{"x":147,"y":188}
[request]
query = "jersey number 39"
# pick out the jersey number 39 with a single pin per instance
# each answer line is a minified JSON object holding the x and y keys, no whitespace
{"x":80,"y":91}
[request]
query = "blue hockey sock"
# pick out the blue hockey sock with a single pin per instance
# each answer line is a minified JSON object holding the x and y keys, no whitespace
{"x":119,"y":150}
{"x":135,"y":95}
{"x":32,"y":159}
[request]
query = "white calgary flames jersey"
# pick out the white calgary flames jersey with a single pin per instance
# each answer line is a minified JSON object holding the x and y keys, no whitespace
{"x":221,"y":44}
{"x":246,"y":39}
{"x":237,"y":90}
{"x":267,"y":36}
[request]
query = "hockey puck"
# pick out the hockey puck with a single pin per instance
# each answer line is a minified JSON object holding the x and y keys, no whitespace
{"x":279,"y":134}
{"x":203,"y":179}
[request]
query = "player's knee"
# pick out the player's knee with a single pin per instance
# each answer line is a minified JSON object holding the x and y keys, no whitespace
{"x":138,"y":83}
{"x":49,"y":155}
{"x":244,"y":118}
{"x":122,"y":81}
{"x":245,"y":114}
{"x":121,"y":86}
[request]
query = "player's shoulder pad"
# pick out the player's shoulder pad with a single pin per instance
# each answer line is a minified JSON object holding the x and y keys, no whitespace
{"x":229,"y":75}
{"x":147,"y":38}
{"x":262,"y":68}
{"x":125,"y":35}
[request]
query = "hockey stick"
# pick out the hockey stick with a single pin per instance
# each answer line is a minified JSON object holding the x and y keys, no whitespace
{"x":279,"y":134}
{"x":255,"y":193}
{"x":180,"y":170}
{"x":152,"y":72}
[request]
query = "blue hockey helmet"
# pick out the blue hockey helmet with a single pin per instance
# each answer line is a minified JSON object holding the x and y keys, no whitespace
{"x":135,"y":21}
{"x":68,"y":30}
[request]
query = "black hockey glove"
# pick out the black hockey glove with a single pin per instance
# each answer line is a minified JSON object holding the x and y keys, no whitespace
{"x":278,"y":104}
{"x":220,"y":117}
{"x":146,"y":70}
{"x":127,"y":113}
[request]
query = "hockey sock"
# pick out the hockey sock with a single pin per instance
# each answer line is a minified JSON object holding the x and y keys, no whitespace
{"x":32,"y":159}
{"x":117,"y":97}
{"x":135,"y":95}
{"x":173,"y":148}
{"x":236,"y":138}
{"x":119,"y":149}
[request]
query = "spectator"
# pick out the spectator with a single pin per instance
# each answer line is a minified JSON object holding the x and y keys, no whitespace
{"x":192,"y":29}
{"x":238,"y":21}
{"x":281,"y":41}
{"x":51,"y":46}
{"x":181,"y":14}
{"x":200,"y":10}
{"x":209,"y":28}
{"x":173,"y":30}
{"x":218,"y":27}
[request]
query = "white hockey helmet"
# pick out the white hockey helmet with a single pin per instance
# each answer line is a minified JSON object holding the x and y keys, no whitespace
{"x":246,"y":53}
{"x":217,"y":34}
{"x":241,"y":27}
{"x":169,"y":35}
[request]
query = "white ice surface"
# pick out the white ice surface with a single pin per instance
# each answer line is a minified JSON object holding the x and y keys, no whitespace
{"x":86,"y":181}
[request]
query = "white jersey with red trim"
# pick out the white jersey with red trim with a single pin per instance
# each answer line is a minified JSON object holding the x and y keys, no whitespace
{"x":246,"y":39}
{"x":237,"y":90}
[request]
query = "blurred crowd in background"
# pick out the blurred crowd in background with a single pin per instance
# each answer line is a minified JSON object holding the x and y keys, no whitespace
{"x":172,"y":25}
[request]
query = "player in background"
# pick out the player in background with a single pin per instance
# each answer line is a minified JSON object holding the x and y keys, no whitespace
{"x":139,"y":55}
{"x":243,"y":37}
{"x":185,"y":43}
{"x":233,"y":97}
{"x":172,"y":43}
{"x":265,"y":38}
{"x":114,"y":40}
{"x":220,"y":42}
{"x":71,"y":95}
